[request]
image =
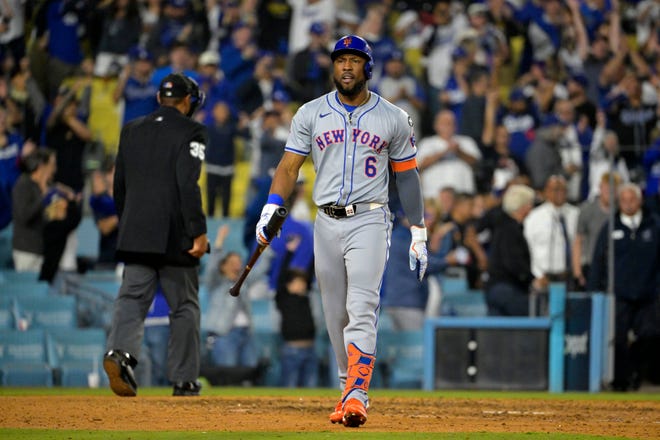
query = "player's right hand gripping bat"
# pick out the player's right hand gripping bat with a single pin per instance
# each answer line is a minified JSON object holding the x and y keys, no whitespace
{"x":272,"y":229}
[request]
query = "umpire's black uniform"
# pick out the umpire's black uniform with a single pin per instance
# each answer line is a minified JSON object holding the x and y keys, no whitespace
{"x":160,"y":213}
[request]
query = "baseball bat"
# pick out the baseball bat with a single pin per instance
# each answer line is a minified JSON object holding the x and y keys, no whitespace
{"x":272,"y":228}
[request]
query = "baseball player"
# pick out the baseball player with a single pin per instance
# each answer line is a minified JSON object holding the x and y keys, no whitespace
{"x":353,"y":136}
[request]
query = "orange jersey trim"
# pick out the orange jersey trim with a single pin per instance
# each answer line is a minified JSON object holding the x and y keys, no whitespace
{"x":399,"y":167}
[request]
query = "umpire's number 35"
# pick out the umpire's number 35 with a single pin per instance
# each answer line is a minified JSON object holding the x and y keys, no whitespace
{"x":197,"y":150}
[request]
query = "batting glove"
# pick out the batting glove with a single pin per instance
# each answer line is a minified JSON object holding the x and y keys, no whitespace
{"x":266,"y":213}
{"x":417,"y":253}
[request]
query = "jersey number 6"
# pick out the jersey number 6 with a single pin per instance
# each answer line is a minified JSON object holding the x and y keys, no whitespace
{"x":370,"y":166}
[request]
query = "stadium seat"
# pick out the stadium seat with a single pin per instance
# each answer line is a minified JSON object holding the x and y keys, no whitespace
{"x":109,"y":288}
{"x":19,"y":288}
{"x":385,"y":322}
{"x":48,"y":311}
{"x":203,"y":298}
{"x":265,"y":316}
{"x":402,"y":354}
{"x":95,"y":293}
{"x":24,"y":359}
{"x":268,"y":344}
{"x":8,"y":313}
{"x":459,"y":300}
{"x":10,"y":276}
{"x":76,"y":353}
{"x":5,"y":247}
{"x":470,"y":303}
{"x":88,"y":238}
{"x":453,"y":285}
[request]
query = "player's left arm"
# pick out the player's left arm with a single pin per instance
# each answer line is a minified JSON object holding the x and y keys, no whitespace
{"x":409,"y":186}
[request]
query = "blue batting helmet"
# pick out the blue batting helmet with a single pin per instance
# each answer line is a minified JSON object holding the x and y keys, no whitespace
{"x":355,"y":45}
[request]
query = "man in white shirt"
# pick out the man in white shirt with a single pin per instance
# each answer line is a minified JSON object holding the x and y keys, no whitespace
{"x":303,"y":14}
{"x":447,"y":159}
{"x":549,"y":230}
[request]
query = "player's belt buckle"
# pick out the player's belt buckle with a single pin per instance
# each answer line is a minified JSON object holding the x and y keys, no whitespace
{"x":339,"y":211}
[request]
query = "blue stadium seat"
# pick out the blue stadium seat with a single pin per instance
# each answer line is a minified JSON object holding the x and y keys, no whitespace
{"x":88,"y":238}
{"x":268,"y":344}
{"x":24,"y":359}
{"x":204,"y":305}
{"x":459,"y":300}
{"x":95,"y":293}
{"x":5,"y":247}
{"x":24,"y":288}
{"x":402,"y":354}
{"x":76,"y":353}
{"x":108,"y":287}
{"x":9,"y":276}
{"x":8,"y":313}
{"x":265,"y":316}
{"x":470,"y":303}
{"x":385,"y":321}
{"x":48,"y":311}
{"x":203,"y":298}
{"x":453,"y":285}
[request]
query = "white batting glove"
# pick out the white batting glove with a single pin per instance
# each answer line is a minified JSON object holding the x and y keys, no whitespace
{"x":266,"y":213}
{"x":417,"y":253}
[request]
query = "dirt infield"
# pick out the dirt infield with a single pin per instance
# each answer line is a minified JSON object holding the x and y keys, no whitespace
{"x":633,"y":419}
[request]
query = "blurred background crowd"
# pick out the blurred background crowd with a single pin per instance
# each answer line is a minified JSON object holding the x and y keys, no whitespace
{"x":559,"y":95}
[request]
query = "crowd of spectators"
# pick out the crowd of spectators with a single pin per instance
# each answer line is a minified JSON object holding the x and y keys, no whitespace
{"x":552,"y":94}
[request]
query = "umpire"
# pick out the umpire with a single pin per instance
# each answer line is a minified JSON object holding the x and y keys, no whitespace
{"x":162,"y":235}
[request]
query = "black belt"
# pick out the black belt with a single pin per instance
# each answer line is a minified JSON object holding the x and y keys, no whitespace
{"x":336,"y":211}
{"x":557,"y":276}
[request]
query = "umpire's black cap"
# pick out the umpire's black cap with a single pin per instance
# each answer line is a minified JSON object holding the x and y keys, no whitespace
{"x":174,"y":85}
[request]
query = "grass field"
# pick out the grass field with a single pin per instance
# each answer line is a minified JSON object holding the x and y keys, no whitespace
{"x":266,"y":403}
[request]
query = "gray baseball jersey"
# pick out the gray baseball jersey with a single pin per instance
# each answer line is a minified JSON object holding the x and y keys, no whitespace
{"x":351,"y":151}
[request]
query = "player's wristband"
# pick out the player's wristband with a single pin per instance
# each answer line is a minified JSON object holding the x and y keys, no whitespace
{"x":418,"y":234}
{"x":275,"y":199}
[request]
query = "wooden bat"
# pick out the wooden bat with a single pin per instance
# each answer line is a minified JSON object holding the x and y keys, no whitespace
{"x":272,"y":228}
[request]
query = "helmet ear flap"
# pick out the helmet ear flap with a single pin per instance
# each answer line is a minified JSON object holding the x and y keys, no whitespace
{"x":197,"y":97}
{"x":368,"y":69}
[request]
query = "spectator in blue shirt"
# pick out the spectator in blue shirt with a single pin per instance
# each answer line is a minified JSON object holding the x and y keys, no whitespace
{"x":177,"y":26}
{"x":181,"y":60}
{"x":214,"y":84}
{"x":12,"y":150}
{"x":238,"y":57}
{"x":521,"y":121}
{"x":220,"y":156}
{"x":105,"y":214}
{"x":57,"y":29}
{"x":135,"y":85}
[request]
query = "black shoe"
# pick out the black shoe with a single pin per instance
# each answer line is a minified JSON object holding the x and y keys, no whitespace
{"x":187,"y":388}
{"x":118,"y":365}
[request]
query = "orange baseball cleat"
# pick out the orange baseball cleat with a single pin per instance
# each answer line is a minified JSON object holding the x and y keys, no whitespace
{"x":338,"y":414}
{"x":355,"y":413}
